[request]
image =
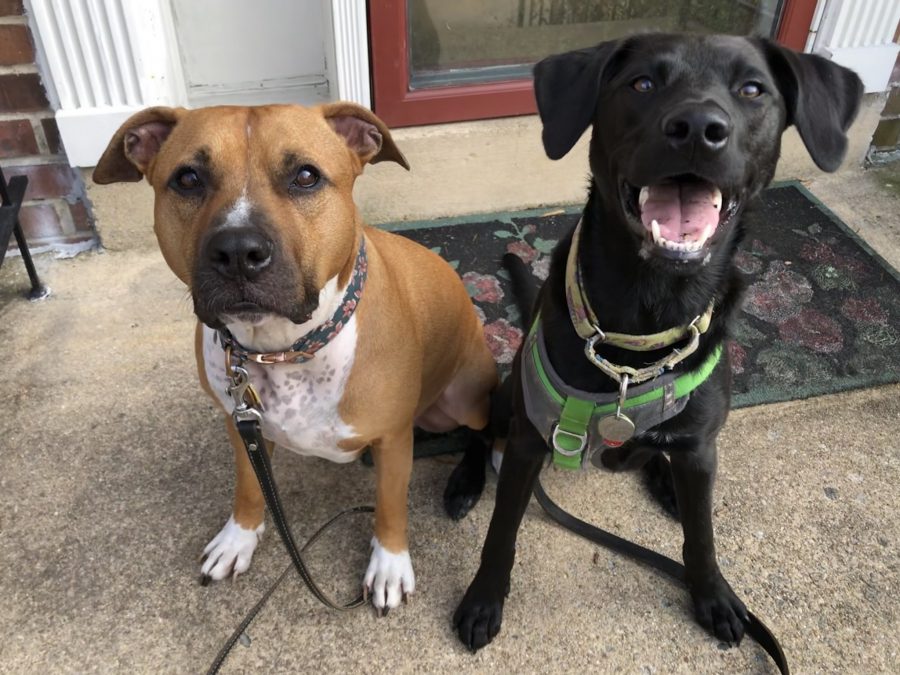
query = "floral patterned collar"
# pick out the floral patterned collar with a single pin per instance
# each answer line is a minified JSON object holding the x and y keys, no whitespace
{"x":306,"y":347}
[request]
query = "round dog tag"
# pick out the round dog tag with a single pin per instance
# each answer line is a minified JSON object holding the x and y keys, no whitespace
{"x":615,"y":429}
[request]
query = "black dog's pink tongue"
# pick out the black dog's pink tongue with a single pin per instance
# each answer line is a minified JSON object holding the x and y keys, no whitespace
{"x":684,"y":211}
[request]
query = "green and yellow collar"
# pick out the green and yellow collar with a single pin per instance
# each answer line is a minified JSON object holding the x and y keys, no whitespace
{"x":586,"y":323}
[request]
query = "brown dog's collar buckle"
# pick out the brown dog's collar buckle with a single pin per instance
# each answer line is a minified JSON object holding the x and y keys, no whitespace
{"x":269,"y":358}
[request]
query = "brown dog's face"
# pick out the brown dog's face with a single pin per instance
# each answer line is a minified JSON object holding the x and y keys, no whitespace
{"x":254,"y":207}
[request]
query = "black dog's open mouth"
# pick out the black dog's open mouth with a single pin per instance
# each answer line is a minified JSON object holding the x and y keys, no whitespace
{"x":679,"y":216}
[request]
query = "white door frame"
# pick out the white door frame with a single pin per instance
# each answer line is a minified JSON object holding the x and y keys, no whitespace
{"x":107,"y":59}
{"x":858,"y":34}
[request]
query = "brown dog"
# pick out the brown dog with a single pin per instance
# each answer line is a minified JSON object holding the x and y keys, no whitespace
{"x":254,"y":212}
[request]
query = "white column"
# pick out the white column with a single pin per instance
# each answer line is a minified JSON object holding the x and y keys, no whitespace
{"x":351,"y":51}
{"x":107,"y":59}
{"x":859,"y":34}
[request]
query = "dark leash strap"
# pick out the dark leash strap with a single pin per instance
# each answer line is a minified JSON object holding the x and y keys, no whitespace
{"x":753,"y":626}
{"x":259,"y":458}
{"x":256,"y":450}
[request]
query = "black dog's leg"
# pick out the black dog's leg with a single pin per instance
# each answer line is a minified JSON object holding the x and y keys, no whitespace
{"x":717,"y":608}
{"x":657,"y":476}
{"x":466,"y":482}
{"x":478,"y":617}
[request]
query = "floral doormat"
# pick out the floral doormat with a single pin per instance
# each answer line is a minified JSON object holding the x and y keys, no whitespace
{"x":821,"y":313}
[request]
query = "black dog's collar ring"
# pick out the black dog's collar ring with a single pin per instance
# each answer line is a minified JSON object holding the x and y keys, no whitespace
{"x":638,"y":375}
{"x":555,"y":438}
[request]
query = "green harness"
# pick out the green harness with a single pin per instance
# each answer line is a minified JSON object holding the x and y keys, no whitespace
{"x":576,"y":423}
{"x":570,"y":420}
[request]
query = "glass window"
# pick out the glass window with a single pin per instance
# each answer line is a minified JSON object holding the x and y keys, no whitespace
{"x":479,"y":41}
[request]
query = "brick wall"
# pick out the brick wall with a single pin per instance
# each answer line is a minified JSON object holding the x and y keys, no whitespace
{"x":55,"y":214}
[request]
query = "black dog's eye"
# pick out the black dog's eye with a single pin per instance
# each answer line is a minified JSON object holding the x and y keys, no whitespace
{"x":307,"y":177}
{"x":643,"y":85}
{"x":750,"y":90}
{"x":186,"y":180}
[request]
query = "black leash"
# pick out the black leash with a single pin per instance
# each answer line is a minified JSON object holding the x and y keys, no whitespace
{"x":247,"y":419}
{"x":259,"y":458}
{"x":753,"y":626}
{"x":236,"y":635}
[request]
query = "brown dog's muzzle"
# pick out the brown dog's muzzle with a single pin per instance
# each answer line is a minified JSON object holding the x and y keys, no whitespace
{"x":238,"y":253}
{"x":241,"y":269}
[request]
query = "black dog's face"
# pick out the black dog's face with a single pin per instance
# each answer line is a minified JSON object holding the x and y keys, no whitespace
{"x":690,"y":130}
{"x":687,"y":128}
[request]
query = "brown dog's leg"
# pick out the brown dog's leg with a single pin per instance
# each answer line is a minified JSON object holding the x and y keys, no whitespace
{"x":249,"y":504}
{"x":231,"y":551}
{"x":389,"y":577}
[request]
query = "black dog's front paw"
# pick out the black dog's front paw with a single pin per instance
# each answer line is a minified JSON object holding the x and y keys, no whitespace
{"x":719,"y":610}
{"x":477,"y":619}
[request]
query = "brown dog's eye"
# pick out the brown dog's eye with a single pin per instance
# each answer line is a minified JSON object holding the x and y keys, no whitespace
{"x":643,"y":85}
{"x":750,"y":90}
{"x":187,"y":180}
{"x":307,"y":177}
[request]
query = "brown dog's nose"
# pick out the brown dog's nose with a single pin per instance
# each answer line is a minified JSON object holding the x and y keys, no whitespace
{"x":239,"y":252}
{"x":706,"y":127}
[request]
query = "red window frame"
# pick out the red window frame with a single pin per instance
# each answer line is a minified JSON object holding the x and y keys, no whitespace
{"x":398,"y":106}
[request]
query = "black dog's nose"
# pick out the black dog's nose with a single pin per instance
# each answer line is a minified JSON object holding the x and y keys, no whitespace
{"x":239,"y":252}
{"x":706,"y":126}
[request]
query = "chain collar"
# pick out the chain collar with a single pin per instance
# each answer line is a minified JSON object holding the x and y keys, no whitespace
{"x":585,"y":322}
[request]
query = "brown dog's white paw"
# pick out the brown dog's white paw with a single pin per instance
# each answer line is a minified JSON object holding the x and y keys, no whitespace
{"x":389,"y":578}
{"x":230,"y":552}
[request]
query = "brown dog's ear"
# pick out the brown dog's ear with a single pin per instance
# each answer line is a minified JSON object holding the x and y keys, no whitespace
{"x":363,"y":132}
{"x":821,"y":97}
{"x":135,"y":144}
{"x":566,"y":87}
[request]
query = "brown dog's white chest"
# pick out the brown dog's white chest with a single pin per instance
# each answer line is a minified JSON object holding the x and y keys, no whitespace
{"x":300,"y":401}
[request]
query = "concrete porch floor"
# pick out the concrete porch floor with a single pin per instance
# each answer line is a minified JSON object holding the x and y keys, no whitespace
{"x":115,"y":472}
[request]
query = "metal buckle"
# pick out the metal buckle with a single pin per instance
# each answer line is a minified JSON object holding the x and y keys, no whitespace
{"x":268,"y":358}
{"x":272,"y":358}
{"x":581,"y":438}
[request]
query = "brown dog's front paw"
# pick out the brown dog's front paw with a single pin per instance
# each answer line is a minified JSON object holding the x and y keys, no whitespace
{"x":229,"y":553}
{"x":389,"y":579}
{"x":720,"y":611}
{"x":478,"y":618}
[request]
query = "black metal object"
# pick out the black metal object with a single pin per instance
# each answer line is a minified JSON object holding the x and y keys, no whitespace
{"x":12,"y":195}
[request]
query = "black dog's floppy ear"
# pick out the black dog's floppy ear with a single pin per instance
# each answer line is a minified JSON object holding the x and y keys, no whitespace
{"x":566,"y":87}
{"x":822,"y":99}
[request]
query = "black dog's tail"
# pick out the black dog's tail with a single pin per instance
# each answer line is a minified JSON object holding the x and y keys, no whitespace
{"x":525,"y":292}
{"x":523,"y":286}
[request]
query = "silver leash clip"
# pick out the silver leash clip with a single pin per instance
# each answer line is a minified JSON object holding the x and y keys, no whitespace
{"x":240,"y":391}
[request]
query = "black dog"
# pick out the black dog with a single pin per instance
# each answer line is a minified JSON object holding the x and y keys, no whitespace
{"x":686,"y":131}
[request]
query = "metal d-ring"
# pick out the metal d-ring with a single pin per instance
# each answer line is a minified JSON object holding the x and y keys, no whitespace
{"x":581,"y":438}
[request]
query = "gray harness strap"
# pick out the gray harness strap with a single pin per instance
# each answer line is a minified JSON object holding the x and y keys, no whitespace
{"x":545,"y":395}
